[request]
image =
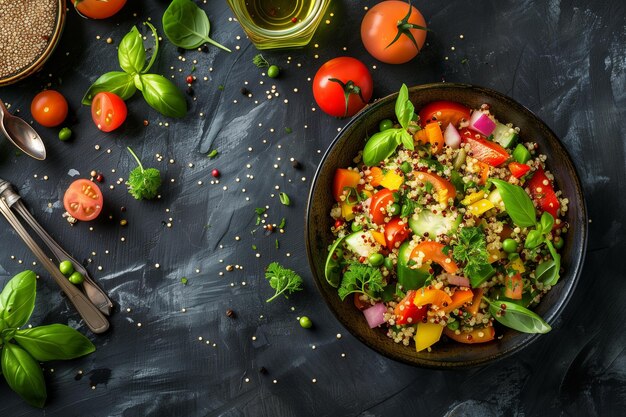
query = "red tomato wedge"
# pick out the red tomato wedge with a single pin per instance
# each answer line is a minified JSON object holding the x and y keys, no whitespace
{"x":475,"y":336}
{"x":484,"y":150}
{"x":108,"y":111}
{"x":543,"y":193}
{"x":344,"y":180}
{"x":83,"y":200}
{"x":396,"y":232}
{"x":407,"y":312}
{"x":378,"y":205}
{"x":433,"y":251}
{"x":518,"y":170}
{"x":444,"y":190}
{"x":444,"y":113}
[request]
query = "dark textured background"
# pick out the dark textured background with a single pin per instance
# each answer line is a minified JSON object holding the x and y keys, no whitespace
{"x":565,"y":60}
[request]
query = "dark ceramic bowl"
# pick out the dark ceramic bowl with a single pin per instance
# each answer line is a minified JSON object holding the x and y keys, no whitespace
{"x":445,"y":354}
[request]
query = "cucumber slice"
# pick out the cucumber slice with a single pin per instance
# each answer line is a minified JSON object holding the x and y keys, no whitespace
{"x":504,"y":135}
{"x":409,"y":278}
{"x":521,"y":154}
{"x":357,"y":244}
{"x":433,"y":224}
{"x":495,"y":197}
{"x":332,"y":270}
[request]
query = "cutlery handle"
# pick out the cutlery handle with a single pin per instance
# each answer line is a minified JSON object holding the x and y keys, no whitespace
{"x":94,"y":319}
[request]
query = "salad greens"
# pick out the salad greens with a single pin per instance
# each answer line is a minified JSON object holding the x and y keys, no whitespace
{"x":362,"y":279}
{"x":187,"y":26}
{"x":282,"y":280}
{"x":143,"y":183}
{"x":22,"y":349}
{"x":159,"y":92}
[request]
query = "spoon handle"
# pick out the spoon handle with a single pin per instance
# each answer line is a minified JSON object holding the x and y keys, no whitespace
{"x":94,"y":319}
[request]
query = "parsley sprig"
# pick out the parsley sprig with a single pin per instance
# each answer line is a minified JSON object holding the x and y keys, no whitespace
{"x":143,"y":183}
{"x":472,"y":251}
{"x":282,"y":280}
{"x":360,"y":278}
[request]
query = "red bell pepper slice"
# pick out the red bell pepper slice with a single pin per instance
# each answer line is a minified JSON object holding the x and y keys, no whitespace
{"x":543,"y":193}
{"x":484,"y":150}
{"x":407,"y":312}
{"x":518,"y":170}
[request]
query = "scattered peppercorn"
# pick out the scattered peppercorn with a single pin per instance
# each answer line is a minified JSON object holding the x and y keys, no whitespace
{"x":262,"y":370}
{"x":296,"y":164}
{"x":205,"y":48}
{"x":181,"y":50}
{"x":99,"y":177}
{"x":294,"y":20}
{"x":215,"y":173}
{"x":245,"y":91}
{"x":269,"y":228}
{"x":230,"y":313}
{"x":123,"y":209}
{"x":189,"y":79}
{"x":146,"y":122}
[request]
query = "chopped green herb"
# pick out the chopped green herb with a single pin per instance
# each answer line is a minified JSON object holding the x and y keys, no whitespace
{"x":284,"y":199}
{"x":360,"y":278}
{"x":212,"y":154}
{"x":464,"y":61}
{"x":259,"y":211}
{"x":277,"y":244}
{"x":282,"y":280}
{"x":282,"y":223}
{"x":184,"y":280}
{"x":288,"y":130}
{"x":260,"y":62}
{"x":143,"y":183}
{"x":253,"y":247}
{"x":193,"y":68}
{"x":220,"y":87}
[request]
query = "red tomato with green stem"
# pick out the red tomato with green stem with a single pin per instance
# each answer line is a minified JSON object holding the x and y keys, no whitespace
{"x":49,"y":108}
{"x":108,"y":111}
{"x":393,"y":32}
{"x":444,"y":113}
{"x":378,"y":205}
{"x":98,"y":9}
{"x":342,"y":86}
{"x":83,"y":200}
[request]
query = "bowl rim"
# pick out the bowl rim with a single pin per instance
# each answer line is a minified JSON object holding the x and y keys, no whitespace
{"x":577,"y":264}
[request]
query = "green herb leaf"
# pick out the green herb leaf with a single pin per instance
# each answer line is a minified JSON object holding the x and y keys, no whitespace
{"x":260,"y":61}
{"x":407,"y":140}
{"x":471,"y":250}
{"x":143,"y":183}
{"x":517,"y":203}
{"x":116,"y":82}
{"x":533,"y":239}
{"x":284,"y":199}
{"x":184,"y":280}
{"x":404,"y":108}
{"x":212,"y":154}
{"x":360,"y":278}
{"x":187,"y":26}
{"x":380,"y":147}
{"x":334,"y":263}
{"x":163,"y":96}
{"x":23,"y":374}
{"x":282,"y":280}
{"x":131,"y":53}
{"x":17,"y":299}
{"x":54,"y":342}
{"x":277,"y":244}
{"x":546,"y":222}
{"x":282,"y":223}
{"x":517,"y":317}
{"x":547,"y":272}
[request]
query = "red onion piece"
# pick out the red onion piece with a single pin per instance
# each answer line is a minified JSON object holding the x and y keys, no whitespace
{"x":452,"y":137}
{"x":481,"y":123}
{"x":375,"y":315}
{"x":457,"y":280}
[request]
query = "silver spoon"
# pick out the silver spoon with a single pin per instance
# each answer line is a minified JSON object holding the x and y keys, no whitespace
{"x":21,"y":134}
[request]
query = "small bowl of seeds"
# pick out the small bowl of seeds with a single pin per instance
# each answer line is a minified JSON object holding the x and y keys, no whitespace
{"x":30,"y":32}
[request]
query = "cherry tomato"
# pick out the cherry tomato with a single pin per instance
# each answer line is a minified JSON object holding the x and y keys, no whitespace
{"x":444,"y":112}
{"x":396,"y":232}
{"x":49,"y":108}
{"x":108,"y":111}
{"x":98,"y":9}
{"x":83,"y":200}
{"x":378,"y":205}
{"x":387,"y":21}
{"x":342,"y":86}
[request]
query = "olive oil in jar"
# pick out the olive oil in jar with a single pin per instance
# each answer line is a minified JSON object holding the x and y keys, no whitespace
{"x":278,"y":14}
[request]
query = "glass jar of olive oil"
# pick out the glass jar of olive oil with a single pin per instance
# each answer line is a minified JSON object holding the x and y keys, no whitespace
{"x":272,"y":24}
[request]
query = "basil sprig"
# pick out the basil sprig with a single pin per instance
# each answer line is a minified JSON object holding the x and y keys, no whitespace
{"x":159,"y":92}
{"x":517,"y":317}
{"x":23,"y":349}
{"x":383,"y":144}
{"x":517,"y":203}
{"x":187,"y":26}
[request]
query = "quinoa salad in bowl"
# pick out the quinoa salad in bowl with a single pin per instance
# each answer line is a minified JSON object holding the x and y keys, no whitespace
{"x":447,"y":225}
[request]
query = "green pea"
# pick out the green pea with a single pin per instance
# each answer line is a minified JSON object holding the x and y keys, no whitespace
{"x":394,"y":209}
{"x":385,"y":124}
{"x":273,"y":71}
{"x":65,"y":134}
{"x":66,"y":268}
{"x":453,"y":325}
{"x":356,"y":227}
{"x":559,"y":242}
{"x":376,"y":259}
{"x":388,"y":263}
{"x":76,"y":278}
{"x":509,"y":245}
{"x":406,"y":167}
{"x":305,"y":322}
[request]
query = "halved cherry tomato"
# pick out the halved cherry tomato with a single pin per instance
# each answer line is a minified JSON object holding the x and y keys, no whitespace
{"x":396,"y":232}
{"x":459,"y":299}
{"x":485,"y":334}
{"x":342,"y":86}
{"x":98,"y":9}
{"x":444,"y":113}
{"x":378,"y":205}
{"x":83,"y":200}
{"x":49,"y":108}
{"x":108,"y":111}
{"x":484,"y":150}
{"x":387,"y":21}
{"x":518,"y":170}
{"x":444,"y":190}
{"x":407,"y":312}
{"x":543,"y":193}
{"x":433,"y":251}
{"x":430,"y":295}
{"x":345,"y":179}
{"x":513,"y":286}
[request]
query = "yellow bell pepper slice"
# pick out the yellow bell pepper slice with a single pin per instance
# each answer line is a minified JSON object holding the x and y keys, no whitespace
{"x":392,"y":180}
{"x":427,"y":335}
{"x":495,"y":255}
{"x":518,"y":265}
{"x":379,"y":237}
{"x":480,"y":207}
{"x":346,"y":211}
{"x":473,"y":197}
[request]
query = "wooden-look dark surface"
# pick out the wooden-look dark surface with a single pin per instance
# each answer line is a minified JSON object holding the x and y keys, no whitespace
{"x":564,"y":60}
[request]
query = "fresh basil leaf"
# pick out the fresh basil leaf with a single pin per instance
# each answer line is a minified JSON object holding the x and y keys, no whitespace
{"x":517,"y":317}
{"x":547,"y":272}
{"x":407,"y":140}
{"x":155,"y":51}
{"x":17,"y":299}
{"x":23,"y":374}
{"x":517,"y":203}
{"x":131,"y":53}
{"x":116,"y":82}
{"x":54,"y":342}
{"x":379,"y":147}
{"x":534,"y":239}
{"x":163,"y":96}
{"x":284,"y":199}
{"x":187,"y":26}
{"x":137,"y":82}
{"x":404,"y":108}
{"x":546,"y":221}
